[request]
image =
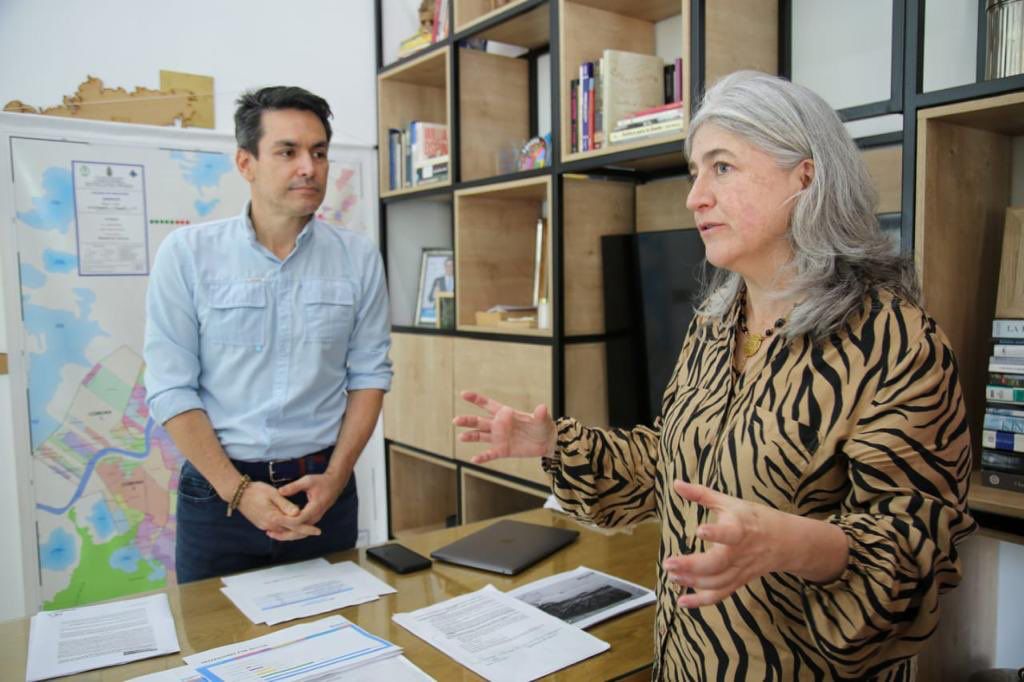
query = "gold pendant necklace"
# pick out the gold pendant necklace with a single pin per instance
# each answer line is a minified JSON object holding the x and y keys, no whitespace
{"x":752,"y":344}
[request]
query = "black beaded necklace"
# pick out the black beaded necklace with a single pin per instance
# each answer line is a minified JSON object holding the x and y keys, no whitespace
{"x":752,"y":342}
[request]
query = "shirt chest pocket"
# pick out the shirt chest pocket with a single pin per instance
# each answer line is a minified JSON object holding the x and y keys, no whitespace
{"x":328,"y":309}
{"x":238,"y":313}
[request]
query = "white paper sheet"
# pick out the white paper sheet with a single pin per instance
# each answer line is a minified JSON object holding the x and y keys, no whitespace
{"x":89,"y":637}
{"x":311,"y":651}
{"x":281,"y":593}
{"x":499,"y":637}
{"x":583,"y":597}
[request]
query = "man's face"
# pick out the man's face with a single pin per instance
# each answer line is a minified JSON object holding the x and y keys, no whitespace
{"x":289,"y":177}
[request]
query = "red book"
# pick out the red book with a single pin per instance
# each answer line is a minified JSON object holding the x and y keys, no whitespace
{"x":656,"y":110}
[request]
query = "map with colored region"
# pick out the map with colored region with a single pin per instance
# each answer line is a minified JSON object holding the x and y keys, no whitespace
{"x":104,"y":474}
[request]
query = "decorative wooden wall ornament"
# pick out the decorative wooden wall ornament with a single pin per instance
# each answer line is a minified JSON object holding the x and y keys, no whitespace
{"x":1010,"y":299}
{"x":200,"y":86}
{"x":143,"y":105}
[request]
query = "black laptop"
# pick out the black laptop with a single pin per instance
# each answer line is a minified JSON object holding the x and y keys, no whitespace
{"x":506,"y":547}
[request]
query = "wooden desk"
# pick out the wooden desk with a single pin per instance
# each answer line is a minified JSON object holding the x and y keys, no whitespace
{"x":205,"y":618}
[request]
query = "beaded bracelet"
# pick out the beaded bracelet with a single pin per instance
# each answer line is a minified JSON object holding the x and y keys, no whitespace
{"x":237,"y":497}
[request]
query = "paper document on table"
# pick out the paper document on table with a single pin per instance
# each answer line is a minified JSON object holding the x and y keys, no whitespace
{"x":321,"y":650}
{"x":181,"y":674}
{"x":275,"y":595}
{"x":74,"y":640}
{"x":499,"y":637}
{"x":583,"y":597}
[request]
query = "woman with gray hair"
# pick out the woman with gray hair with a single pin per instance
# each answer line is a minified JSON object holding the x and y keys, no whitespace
{"x":810,"y":466}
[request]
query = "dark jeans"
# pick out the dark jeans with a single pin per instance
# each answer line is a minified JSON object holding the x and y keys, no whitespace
{"x":210,"y":543}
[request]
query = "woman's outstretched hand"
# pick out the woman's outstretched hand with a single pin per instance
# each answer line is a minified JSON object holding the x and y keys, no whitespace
{"x":511,"y":433}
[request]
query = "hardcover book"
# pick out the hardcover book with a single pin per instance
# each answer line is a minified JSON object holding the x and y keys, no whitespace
{"x":631,"y":82}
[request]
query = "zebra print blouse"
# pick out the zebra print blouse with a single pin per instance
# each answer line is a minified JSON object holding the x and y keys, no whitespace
{"x":867,"y":431}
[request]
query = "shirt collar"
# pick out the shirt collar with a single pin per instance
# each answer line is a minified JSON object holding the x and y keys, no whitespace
{"x":250,"y":231}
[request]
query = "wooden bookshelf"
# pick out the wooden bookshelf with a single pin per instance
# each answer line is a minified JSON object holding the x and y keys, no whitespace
{"x":529,"y":29}
{"x":517,"y":374}
{"x":495,"y":247}
{"x":963,"y":177}
{"x":423,"y":491}
{"x":737,"y":34}
{"x":995,"y":500}
{"x":417,"y":90}
{"x":486,"y":497}
{"x":494,"y":111}
{"x":418,"y":410}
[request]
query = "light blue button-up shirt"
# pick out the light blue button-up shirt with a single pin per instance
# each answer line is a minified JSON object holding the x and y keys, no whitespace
{"x":269,"y":348}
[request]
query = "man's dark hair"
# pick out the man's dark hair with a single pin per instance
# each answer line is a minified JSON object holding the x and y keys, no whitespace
{"x":252,"y":104}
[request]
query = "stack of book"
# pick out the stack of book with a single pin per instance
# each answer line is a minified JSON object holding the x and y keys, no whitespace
{"x":618,"y":98}
{"x":417,"y":155}
{"x":668,"y":118}
{"x":1002,"y":437}
{"x":435,"y":28}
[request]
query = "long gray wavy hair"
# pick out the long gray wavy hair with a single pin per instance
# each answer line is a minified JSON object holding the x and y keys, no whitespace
{"x":839,"y":249}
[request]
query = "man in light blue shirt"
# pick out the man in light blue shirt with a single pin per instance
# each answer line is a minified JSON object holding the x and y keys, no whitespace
{"x":266,"y":349}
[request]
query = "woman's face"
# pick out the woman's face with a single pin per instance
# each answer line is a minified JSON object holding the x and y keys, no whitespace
{"x":742,"y":202}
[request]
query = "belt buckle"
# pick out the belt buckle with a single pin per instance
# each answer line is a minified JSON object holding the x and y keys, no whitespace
{"x":273,"y":475}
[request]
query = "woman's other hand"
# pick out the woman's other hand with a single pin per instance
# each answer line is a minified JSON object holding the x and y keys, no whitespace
{"x":511,"y":433}
{"x":749,"y":540}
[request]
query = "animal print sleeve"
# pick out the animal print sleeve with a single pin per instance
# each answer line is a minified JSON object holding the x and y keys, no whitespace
{"x":606,"y":476}
{"x":909,"y":461}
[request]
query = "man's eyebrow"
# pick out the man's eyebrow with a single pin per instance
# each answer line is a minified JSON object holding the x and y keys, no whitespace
{"x":292,"y":143}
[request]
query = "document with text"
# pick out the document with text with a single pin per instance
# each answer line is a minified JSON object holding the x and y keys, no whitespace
{"x":500,"y":637}
{"x":89,"y":637}
{"x":281,"y":593}
{"x":328,"y":649}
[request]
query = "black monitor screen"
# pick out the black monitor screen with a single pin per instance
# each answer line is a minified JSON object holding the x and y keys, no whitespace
{"x":668,"y":267}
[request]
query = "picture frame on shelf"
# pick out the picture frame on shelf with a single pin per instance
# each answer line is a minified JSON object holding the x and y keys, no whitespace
{"x":437,"y":275}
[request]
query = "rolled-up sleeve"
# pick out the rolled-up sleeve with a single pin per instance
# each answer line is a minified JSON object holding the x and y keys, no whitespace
{"x":171,"y":348}
{"x":368,"y":363}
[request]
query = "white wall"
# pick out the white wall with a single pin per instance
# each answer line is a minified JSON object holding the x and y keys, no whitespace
{"x":48,"y":47}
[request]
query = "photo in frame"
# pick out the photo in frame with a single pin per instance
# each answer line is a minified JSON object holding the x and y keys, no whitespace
{"x":437,"y":275}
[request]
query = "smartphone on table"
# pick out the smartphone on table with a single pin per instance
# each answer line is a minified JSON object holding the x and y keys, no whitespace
{"x":398,"y":558}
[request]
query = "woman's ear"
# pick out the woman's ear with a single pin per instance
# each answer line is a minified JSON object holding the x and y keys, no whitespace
{"x":806,"y":172}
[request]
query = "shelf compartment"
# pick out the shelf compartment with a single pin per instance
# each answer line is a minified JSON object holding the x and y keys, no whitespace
{"x":414,"y":91}
{"x":592,"y":208}
{"x":423,"y":491}
{"x":738,"y":34}
{"x":494,"y":111}
{"x":994,"y":500}
{"x":530,"y":29}
{"x":517,"y":374}
{"x":487,"y":497}
{"x":588,"y":27}
{"x":959,"y":226}
{"x":418,"y":408}
{"x":495,"y":247}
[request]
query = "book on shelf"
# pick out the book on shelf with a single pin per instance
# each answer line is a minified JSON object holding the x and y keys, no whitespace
{"x":1007,"y":329}
{"x":1004,"y":379}
{"x":1002,"y":440}
{"x":1006,"y":364}
{"x":1005,"y":394}
{"x":1002,"y":460}
{"x":1000,"y":479}
{"x":670,"y":126}
{"x":1011,"y":349}
{"x":429,"y":151}
{"x":413,"y":43}
{"x":668,"y":112}
{"x":630,"y":82}
{"x":1008,"y":420}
